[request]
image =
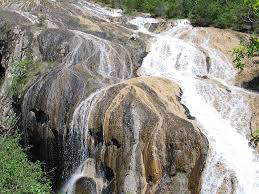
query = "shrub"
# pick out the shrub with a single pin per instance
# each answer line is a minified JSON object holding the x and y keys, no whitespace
{"x":245,"y":52}
{"x":17,"y":174}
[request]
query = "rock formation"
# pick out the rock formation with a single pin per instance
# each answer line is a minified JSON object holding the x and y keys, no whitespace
{"x":78,"y":112}
{"x":141,"y":137}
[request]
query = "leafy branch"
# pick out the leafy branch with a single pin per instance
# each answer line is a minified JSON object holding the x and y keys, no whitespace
{"x":245,"y":52}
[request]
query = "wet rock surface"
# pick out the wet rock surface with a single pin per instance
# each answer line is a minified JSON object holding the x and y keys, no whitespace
{"x":149,"y":143}
{"x":71,"y":60}
{"x":75,"y":105}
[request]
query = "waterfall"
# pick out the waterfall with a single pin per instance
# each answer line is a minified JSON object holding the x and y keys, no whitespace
{"x":221,"y":109}
{"x":183,"y":54}
{"x":79,"y":128}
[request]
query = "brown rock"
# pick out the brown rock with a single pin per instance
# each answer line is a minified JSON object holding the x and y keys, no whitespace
{"x":150,"y":146}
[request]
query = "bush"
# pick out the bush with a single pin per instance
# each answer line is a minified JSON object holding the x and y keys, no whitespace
{"x":245,"y":52}
{"x":17,"y":174}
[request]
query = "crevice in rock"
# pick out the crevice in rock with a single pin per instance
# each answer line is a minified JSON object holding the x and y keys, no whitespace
{"x":108,"y":173}
{"x":253,"y":84}
{"x":187,"y":113}
{"x":115,"y":142}
{"x":2,"y":69}
{"x":41,"y":116}
{"x":99,"y":137}
{"x":91,"y":131}
{"x":208,"y":63}
{"x":150,"y":179}
{"x":55,"y":132}
{"x":2,"y":52}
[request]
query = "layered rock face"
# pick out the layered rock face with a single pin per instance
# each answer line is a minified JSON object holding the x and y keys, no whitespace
{"x":138,"y":132}
{"x":76,"y":110}
{"x":67,"y":61}
{"x":49,"y":103}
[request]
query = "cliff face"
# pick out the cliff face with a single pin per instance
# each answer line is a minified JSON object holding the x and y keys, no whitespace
{"x":68,"y":62}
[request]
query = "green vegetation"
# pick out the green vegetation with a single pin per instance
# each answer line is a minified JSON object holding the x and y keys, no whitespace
{"x":25,"y":72}
{"x":254,"y":138}
{"x":252,"y":3}
{"x":245,"y":52}
{"x":236,"y":14}
{"x":248,"y":48}
{"x":7,"y":122}
{"x":255,"y":133}
{"x":20,"y":70}
{"x":17,"y":174}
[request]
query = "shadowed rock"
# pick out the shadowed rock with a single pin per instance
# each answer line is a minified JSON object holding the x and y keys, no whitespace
{"x":85,"y":185}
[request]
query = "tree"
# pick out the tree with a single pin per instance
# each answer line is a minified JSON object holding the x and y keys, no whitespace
{"x":241,"y":15}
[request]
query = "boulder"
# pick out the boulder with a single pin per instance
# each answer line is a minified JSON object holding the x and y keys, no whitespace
{"x":149,"y":145}
{"x":85,"y":185}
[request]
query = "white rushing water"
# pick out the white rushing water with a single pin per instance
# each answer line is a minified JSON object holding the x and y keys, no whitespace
{"x":79,"y":127}
{"x":204,"y":74}
{"x":103,"y":13}
{"x":143,"y":23}
{"x":221,"y":110}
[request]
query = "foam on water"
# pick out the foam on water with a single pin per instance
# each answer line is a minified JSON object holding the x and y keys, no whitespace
{"x":180,"y":54}
{"x":222,"y":111}
{"x":98,"y":11}
{"x":142,"y":23}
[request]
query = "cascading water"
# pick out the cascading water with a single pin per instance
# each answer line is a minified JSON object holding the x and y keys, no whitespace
{"x":204,"y":74}
{"x":98,"y":11}
{"x":221,"y":110}
{"x":89,"y":57}
{"x":141,"y":22}
{"x":102,"y":51}
{"x":79,"y":127}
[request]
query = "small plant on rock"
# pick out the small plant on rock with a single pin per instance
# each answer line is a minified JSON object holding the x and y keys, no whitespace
{"x":245,"y":52}
{"x":19,"y":74}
